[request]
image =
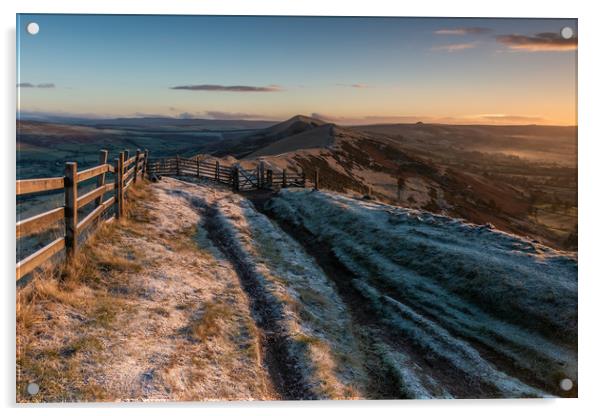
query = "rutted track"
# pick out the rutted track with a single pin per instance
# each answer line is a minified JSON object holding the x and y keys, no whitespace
{"x":371,"y":329}
{"x":282,"y":366}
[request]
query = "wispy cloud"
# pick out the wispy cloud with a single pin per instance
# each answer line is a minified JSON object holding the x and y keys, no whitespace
{"x":371,"y":119}
{"x":219,"y":115}
{"x":459,"y":31}
{"x":225,"y":115}
{"x":140,"y":114}
{"x":510,"y":118}
{"x":541,"y":42}
{"x":30,"y":85}
{"x":493,"y":119}
{"x":228,"y":88}
{"x":455,"y":47}
{"x":325,"y":117}
{"x":357,"y":85}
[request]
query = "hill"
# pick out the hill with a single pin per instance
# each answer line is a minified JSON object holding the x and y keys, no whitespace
{"x":471,"y":172}
{"x":246,"y":145}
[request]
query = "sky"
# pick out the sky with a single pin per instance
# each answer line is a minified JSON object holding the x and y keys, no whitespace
{"x":345,"y":70}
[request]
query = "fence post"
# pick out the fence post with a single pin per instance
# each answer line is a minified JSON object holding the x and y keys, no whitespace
{"x":235,"y":178}
{"x":217,"y":171}
{"x":145,"y":164}
{"x":100,"y":181}
{"x":177,"y":165}
{"x":126,"y":155}
{"x":317,"y":179}
{"x":119,"y":185}
{"x":261,"y":181}
{"x":284,"y":178}
{"x":71,"y":208}
{"x":269,"y":180}
{"x":198,"y":167}
{"x":136,"y":161}
{"x":303,"y":178}
{"x":116,"y":187}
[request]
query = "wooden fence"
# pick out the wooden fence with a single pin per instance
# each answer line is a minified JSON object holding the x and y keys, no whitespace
{"x":238,"y":178}
{"x":126,"y":171}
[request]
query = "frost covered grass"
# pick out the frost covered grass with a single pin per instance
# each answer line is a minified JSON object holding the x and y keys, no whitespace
{"x":149,"y":311}
{"x":498,"y":308}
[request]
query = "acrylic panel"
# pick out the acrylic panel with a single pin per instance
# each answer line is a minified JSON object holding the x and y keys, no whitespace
{"x":295,"y":208}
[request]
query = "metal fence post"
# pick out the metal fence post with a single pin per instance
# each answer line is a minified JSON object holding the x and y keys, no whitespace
{"x":317,"y":179}
{"x":269,"y":178}
{"x":71,"y":208}
{"x":284,"y":178}
{"x":177,"y":165}
{"x":217,"y":171}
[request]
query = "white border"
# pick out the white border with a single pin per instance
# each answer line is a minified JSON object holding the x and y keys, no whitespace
{"x":590,"y":200}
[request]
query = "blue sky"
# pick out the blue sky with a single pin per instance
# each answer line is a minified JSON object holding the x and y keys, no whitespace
{"x":349,"y":70}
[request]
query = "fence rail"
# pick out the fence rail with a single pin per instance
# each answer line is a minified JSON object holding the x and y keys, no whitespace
{"x":124,"y":176}
{"x":238,"y":178}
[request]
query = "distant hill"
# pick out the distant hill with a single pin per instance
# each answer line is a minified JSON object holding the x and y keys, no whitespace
{"x":151,"y":123}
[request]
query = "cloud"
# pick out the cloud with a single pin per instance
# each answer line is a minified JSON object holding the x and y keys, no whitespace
{"x":221,"y":115}
{"x":459,"y":31}
{"x":490,"y":119}
{"x":541,"y":42}
{"x":149,"y":115}
{"x":510,"y":118}
{"x":227,"y":88}
{"x":325,"y":117}
{"x":370,"y":119}
{"x":357,"y":85}
{"x":187,"y":115}
{"x":224,"y":115}
{"x":30,"y":85}
{"x":454,"y":47}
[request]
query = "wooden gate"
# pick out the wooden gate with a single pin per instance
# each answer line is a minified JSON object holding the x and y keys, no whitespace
{"x":248,"y":179}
